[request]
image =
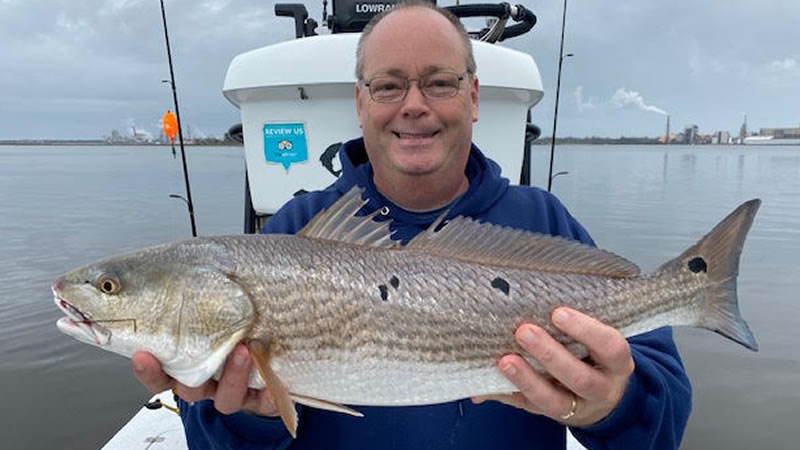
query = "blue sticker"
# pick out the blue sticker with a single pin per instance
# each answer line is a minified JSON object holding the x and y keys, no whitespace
{"x":285,"y":143}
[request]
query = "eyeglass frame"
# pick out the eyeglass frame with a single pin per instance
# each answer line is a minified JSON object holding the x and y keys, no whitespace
{"x":463,"y":75}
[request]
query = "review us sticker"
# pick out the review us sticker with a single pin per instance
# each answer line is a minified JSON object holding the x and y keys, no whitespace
{"x":285,"y":143}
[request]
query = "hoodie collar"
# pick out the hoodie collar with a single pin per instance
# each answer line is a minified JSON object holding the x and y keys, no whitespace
{"x":486,"y":186}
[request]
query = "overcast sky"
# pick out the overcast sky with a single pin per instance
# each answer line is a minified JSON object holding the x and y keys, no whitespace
{"x":78,"y":69}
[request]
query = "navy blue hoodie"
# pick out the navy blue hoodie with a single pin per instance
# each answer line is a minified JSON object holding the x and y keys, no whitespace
{"x":652,"y":413}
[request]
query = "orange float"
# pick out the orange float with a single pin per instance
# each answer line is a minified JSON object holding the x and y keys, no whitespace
{"x":170,"y":125}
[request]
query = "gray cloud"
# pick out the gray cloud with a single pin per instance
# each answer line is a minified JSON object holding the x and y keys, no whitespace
{"x":583,"y":104}
{"x":75,"y":69}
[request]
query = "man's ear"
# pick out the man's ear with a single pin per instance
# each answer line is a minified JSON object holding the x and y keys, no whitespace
{"x":473,"y":91}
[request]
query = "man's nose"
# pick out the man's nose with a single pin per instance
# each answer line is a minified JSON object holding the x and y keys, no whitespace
{"x":415,"y":102}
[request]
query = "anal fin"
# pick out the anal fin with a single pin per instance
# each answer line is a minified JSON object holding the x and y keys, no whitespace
{"x":322,"y":404}
{"x":283,"y":401}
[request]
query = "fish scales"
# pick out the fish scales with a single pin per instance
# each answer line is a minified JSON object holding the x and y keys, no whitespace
{"x":320,"y":301}
{"x":344,"y":315}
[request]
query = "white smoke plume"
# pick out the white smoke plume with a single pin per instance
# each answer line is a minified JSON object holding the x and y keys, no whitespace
{"x":623,"y":98}
{"x":195,"y":132}
{"x":135,"y":132}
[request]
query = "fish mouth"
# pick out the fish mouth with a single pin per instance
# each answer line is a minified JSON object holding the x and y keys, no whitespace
{"x":78,"y":324}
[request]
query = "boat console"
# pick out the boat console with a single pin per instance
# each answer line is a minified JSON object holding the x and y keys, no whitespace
{"x":297,"y":106}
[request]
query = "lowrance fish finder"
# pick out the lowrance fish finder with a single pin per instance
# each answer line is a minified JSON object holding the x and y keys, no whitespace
{"x":353,"y":15}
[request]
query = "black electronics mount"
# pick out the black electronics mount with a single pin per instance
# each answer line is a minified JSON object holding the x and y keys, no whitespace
{"x":351,"y":16}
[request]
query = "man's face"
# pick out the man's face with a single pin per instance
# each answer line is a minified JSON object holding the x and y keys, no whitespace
{"x":417,"y":136}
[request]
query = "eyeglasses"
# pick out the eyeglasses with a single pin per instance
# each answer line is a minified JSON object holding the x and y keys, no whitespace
{"x":391,"y":88}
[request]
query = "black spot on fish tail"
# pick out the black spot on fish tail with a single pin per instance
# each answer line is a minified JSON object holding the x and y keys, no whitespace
{"x":384,"y":292}
{"x":395,"y":282}
{"x":499,"y":283}
{"x":697,"y":265}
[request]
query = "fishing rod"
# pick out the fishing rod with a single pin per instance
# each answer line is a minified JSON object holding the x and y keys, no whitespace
{"x":188,"y":199}
{"x":561,"y":57}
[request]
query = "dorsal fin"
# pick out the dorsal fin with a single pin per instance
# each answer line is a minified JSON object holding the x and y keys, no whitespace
{"x":339,"y":223}
{"x":468,"y":240}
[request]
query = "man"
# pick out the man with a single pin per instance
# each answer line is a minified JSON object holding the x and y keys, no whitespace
{"x":416,"y":99}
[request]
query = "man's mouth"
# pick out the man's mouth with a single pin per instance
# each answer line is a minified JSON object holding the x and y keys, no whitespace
{"x":411,"y":136}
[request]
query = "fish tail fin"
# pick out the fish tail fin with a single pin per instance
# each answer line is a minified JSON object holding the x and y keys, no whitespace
{"x":717,"y":254}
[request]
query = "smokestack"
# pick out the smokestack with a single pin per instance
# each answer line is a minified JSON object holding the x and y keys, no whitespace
{"x":743,"y":130}
{"x":666,"y":136}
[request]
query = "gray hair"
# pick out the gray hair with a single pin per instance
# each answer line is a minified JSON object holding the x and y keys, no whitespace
{"x":472,"y":67}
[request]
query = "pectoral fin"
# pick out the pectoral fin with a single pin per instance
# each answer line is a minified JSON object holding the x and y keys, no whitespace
{"x":322,"y":404}
{"x":261,"y":357}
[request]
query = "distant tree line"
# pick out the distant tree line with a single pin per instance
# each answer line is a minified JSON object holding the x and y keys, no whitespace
{"x":622,"y":140}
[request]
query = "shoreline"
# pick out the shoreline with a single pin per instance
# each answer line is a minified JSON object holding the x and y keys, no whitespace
{"x":102,"y":143}
{"x":221,"y":143}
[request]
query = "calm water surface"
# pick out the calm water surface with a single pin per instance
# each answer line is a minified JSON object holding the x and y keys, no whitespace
{"x":61,"y":207}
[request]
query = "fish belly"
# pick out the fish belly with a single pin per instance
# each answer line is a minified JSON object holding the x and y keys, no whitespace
{"x":386,"y":382}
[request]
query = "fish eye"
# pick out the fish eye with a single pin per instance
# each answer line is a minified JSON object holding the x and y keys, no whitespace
{"x":108,"y":284}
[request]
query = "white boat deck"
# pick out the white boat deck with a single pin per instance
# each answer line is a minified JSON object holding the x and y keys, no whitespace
{"x":151,"y":429}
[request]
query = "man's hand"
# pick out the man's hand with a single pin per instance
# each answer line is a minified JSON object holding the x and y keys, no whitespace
{"x":230,"y":393}
{"x":596,"y":390}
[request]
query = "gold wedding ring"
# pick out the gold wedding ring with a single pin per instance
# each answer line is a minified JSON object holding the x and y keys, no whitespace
{"x":572,"y":408}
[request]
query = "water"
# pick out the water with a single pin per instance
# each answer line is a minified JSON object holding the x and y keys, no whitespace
{"x":61,"y":207}
{"x":66,"y":206}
